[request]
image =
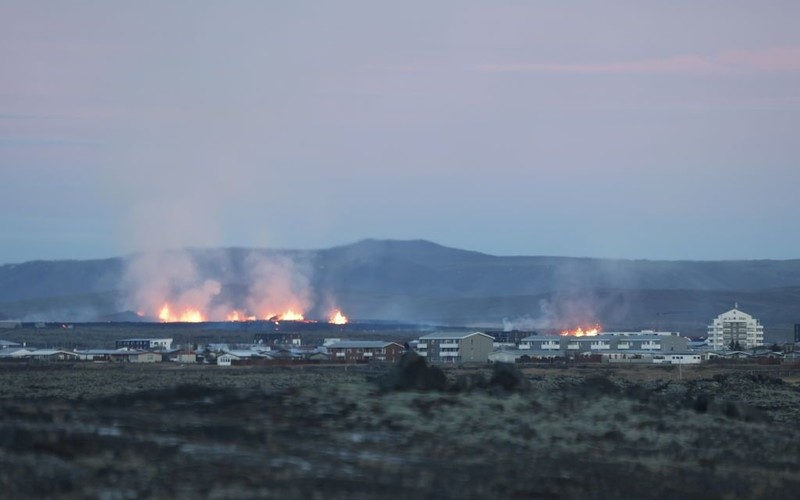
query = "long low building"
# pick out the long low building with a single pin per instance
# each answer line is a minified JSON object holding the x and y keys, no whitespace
{"x":613,"y":356}
{"x":120,"y":355}
{"x":144,"y":344}
{"x":569,"y":346}
{"x":358,"y":351}
{"x":38,"y":354}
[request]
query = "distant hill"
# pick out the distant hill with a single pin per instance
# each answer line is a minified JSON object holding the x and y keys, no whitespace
{"x":423,"y":281}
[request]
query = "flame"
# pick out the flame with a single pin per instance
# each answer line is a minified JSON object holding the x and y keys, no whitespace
{"x":289,"y":315}
{"x":237,"y":315}
{"x":195,"y":315}
{"x":338,"y":318}
{"x":580,"y":332}
{"x":188,"y":315}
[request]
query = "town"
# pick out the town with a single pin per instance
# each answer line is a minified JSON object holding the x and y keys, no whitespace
{"x":733,"y":335}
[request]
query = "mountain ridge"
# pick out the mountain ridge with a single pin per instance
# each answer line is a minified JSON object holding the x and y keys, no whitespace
{"x":403,"y":278}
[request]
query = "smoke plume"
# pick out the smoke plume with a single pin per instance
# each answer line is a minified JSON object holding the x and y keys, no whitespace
{"x":278,"y":283}
{"x":586,"y":293}
{"x":197,"y":281}
{"x":156,"y":278}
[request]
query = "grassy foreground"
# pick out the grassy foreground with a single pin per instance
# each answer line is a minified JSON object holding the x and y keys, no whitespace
{"x":105,"y":431}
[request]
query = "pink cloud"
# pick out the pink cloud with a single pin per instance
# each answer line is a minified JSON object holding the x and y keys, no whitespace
{"x":768,"y":60}
{"x":773,"y":59}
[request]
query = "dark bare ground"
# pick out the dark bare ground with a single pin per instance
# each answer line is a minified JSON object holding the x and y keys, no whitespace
{"x":124,"y":431}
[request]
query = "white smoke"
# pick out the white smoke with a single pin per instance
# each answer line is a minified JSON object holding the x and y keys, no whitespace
{"x":156,"y":278}
{"x":546,"y":319}
{"x":278,"y":283}
{"x":275,"y":284}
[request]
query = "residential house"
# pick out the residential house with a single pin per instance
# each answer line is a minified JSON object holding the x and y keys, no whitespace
{"x":226,"y":359}
{"x":183,"y":356}
{"x":145,"y":357}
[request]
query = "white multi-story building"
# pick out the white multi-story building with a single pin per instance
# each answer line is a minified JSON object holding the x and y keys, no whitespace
{"x":735,"y":330}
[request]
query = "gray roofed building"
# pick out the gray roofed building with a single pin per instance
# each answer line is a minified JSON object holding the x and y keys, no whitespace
{"x":42,"y":354}
{"x":246,"y":353}
{"x":456,"y":347}
{"x":602,"y":342}
{"x":14,"y":352}
{"x":105,"y":354}
{"x":452,"y":335}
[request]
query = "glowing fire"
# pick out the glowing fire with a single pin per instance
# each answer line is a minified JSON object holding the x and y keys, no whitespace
{"x":188,"y":315}
{"x":239,"y":316}
{"x":289,"y":315}
{"x":580,"y":332}
{"x":338,"y":319}
{"x":193,"y":315}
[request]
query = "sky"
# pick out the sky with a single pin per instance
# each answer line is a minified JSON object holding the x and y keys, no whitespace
{"x":653,"y":130}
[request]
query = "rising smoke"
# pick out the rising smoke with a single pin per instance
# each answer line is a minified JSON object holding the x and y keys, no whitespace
{"x":196,"y":281}
{"x":153,"y":279}
{"x":585,"y":293}
{"x":278,"y":283}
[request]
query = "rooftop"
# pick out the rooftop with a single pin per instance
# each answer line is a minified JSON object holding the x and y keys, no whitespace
{"x":452,"y":335}
{"x":360,"y":344}
{"x":145,"y":340}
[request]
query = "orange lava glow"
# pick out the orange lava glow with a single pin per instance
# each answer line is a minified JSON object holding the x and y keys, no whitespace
{"x":289,"y":315}
{"x":187,"y":315}
{"x":338,"y":318}
{"x":239,"y":316}
{"x":173,"y":314}
{"x":580,"y":332}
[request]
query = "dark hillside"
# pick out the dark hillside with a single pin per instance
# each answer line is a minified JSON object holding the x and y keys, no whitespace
{"x":423,"y":281}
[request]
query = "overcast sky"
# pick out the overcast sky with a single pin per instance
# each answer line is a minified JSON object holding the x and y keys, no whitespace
{"x":659,"y":130}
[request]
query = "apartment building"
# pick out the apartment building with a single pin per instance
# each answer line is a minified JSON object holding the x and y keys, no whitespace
{"x":456,"y":347}
{"x":735,"y":330}
{"x":358,"y":351}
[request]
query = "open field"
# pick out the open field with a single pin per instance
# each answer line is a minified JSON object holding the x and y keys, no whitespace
{"x":125,"y":431}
